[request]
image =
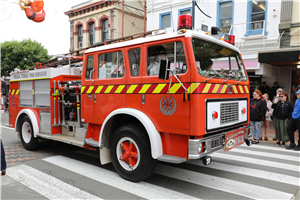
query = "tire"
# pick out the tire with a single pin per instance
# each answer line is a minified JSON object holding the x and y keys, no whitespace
{"x":27,"y":136}
{"x":142,"y":165}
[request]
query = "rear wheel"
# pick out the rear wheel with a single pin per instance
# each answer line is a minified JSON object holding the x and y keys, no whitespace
{"x":131,"y":153}
{"x":27,"y":136}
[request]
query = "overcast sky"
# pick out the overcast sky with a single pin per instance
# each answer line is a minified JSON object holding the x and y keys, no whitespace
{"x":53,"y":33}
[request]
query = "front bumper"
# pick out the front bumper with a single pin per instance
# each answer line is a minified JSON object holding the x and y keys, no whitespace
{"x":202,"y":147}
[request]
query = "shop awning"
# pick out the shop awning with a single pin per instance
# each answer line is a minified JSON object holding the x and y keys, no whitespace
{"x":280,"y":57}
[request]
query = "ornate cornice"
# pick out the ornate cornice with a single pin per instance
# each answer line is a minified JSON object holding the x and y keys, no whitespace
{"x":89,"y":8}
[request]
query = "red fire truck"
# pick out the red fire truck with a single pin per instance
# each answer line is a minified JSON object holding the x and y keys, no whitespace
{"x":170,"y":96}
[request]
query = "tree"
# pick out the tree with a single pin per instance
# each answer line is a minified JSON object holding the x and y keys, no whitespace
{"x":21,"y":55}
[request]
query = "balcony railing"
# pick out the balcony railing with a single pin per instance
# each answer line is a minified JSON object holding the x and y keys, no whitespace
{"x":248,"y":31}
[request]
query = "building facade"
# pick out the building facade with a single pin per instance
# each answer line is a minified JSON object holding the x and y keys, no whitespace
{"x":95,"y":21}
{"x":255,"y":25}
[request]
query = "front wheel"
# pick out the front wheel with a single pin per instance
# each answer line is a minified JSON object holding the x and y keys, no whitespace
{"x":131,"y":153}
{"x":27,"y":137}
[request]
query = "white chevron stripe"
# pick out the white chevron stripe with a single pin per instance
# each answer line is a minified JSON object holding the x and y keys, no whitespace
{"x":262,"y":174}
{"x":141,"y":189}
{"x":227,"y":185}
{"x":45,"y":184}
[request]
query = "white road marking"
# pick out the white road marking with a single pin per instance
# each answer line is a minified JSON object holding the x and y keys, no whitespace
{"x":45,"y":184}
{"x":226,"y":185}
{"x":270,"y":148}
{"x":270,"y":155}
{"x":142,"y":189}
{"x":281,"y":178}
{"x":257,"y":161}
{"x":7,"y":127}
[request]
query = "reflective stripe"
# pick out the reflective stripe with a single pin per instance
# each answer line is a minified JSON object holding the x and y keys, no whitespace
{"x":176,"y":88}
{"x":90,"y":89}
{"x":120,"y":88}
{"x":241,"y":89}
{"x":224,"y":89}
{"x":108,"y":89}
{"x":206,"y":88}
{"x":82,"y":88}
{"x":159,"y":88}
{"x":131,"y":89}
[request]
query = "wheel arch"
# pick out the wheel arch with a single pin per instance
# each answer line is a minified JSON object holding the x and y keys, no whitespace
{"x":112,"y":122}
{"x":33,"y":118}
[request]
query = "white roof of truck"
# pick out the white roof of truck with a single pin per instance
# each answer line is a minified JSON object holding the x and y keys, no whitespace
{"x":153,"y":38}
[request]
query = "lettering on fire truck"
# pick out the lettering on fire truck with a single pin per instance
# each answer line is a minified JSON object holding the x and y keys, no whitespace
{"x":171,"y":96}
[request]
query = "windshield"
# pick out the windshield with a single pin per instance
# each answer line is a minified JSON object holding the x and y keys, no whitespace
{"x":213,"y":60}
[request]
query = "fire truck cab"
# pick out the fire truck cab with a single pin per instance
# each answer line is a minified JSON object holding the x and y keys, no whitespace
{"x":170,"y":96}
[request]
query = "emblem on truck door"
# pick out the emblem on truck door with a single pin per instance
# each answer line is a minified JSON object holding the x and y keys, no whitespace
{"x":167,"y":105}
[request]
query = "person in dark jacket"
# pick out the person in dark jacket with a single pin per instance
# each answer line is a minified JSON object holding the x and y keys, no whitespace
{"x":278,"y":92}
{"x":258,"y":108}
{"x":294,"y":124}
{"x":283,"y":110}
{"x":3,"y":161}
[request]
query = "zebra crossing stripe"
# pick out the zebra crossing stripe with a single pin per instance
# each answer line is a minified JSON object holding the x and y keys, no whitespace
{"x":271,"y":155}
{"x":262,"y":174}
{"x":257,"y":161}
{"x":142,"y":189}
{"x":45,"y":184}
{"x":272,"y":149}
{"x":223,"y":184}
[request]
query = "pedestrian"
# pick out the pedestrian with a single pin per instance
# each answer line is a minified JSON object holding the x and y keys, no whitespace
{"x":258,"y":109}
{"x":283,"y":110}
{"x":274,"y":90}
{"x":264,"y":88}
{"x":265,"y":124}
{"x":4,"y":103}
{"x":3,"y":161}
{"x":294,"y":124}
{"x":7,"y":103}
{"x":278,"y":92}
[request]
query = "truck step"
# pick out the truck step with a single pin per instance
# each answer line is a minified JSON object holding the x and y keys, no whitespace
{"x":63,"y":138}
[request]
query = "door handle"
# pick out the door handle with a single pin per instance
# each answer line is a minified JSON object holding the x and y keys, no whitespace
{"x":95,"y":98}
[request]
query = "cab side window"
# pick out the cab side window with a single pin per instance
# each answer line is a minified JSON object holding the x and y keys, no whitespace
{"x":134,"y":60}
{"x":111,"y":65}
{"x":89,"y":66}
{"x":174,"y":52}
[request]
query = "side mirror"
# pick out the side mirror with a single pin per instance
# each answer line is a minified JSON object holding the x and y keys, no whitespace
{"x":164,"y":67}
{"x":216,"y":30}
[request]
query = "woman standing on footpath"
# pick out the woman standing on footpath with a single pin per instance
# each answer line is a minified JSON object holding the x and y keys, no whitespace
{"x":3,"y":161}
{"x":269,"y":113}
{"x":278,"y":92}
{"x":283,"y":110}
{"x":258,"y":109}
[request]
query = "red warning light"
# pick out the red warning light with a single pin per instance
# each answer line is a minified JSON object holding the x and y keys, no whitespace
{"x":185,"y":21}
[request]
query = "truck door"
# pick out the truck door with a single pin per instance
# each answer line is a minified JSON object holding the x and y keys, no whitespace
{"x":87,"y":97}
{"x":110,"y":84}
{"x":167,"y":109}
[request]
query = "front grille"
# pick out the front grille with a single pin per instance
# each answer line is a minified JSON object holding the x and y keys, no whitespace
{"x":229,"y":112}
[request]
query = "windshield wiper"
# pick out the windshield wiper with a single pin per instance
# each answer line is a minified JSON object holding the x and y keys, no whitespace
{"x":210,"y":78}
{"x":231,"y":76}
{"x":240,"y":79}
{"x":215,"y":74}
